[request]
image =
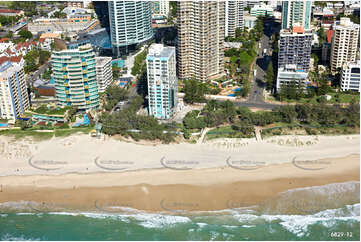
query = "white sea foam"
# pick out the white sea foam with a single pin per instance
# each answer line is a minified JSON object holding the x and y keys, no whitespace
{"x":202,"y":225}
{"x":158,"y":220}
{"x":145,"y":219}
{"x":3,"y":215}
{"x":329,"y":189}
{"x":248,"y":226}
{"x":9,"y":237}
{"x":298,"y":224}
{"x":25,"y":213}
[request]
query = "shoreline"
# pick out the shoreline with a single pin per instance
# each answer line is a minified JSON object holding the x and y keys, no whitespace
{"x":173,"y":190}
{"x":87,"y":174}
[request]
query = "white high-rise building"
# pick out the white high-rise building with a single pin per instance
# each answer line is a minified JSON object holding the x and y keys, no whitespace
{"x":160,"y":8}
{"x":104,"y":71}
{"x":344,"y":43}
{"x":130,"y":24}
{"x":350,"y":77}
{"x":200,"y":47}
{"x":14,"y":98}
{"x":162,"y":81}
{"x":234,"y":17}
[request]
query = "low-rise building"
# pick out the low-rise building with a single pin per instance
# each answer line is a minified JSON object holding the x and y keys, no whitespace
{"x":14,"y":98}
{"x":11,"y":12}
{"x":289,"y":74}
{"x":230,"y":45}
{"x":75,"y":4}
{"x":249,"y":21}
{"x":350,"y":77}
{"x":79,"y":18}
{"x":261,"y":10}
{"x":104,"y":72}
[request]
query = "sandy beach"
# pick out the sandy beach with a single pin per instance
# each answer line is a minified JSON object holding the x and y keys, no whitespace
{"x":88,"y":174}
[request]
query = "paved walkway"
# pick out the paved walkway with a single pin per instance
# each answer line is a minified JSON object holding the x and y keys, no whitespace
{"x":204,"y":132}
{"x":257,"y":131}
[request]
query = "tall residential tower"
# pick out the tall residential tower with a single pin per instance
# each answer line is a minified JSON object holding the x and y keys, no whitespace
{"x":75,"y":77}
{"x":130,"y":24}
{"x":162,"y":81}
{"x":344,"y":43}
{"x":296,"y":12}
{"x":14,"y":98}
{"x":233,"y":17}
{"x":200,"y":48}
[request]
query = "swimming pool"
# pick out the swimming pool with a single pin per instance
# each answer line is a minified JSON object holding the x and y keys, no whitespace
{"x":85,"y":121}
{"x":120,"y":63}
{"x":4,"y":125}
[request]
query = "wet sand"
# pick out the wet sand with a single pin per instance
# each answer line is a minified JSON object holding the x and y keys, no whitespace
{"x":175,"y":190}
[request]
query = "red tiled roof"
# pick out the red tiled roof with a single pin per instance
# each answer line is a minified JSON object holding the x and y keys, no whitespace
{"x":16,"y":59}
{"x":9,"y":11}
{"x":9,"y":52}
{"x":298,"y":29}
{"x":3,"y":59}
{"x":329,"y":35}
{"x":4,"y":39}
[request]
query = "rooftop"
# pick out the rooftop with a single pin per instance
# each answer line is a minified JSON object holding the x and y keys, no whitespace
{"x":9,"y":11}
{"x":296,"y":30}
{"x":345,"y":22}
{"x":159,"y":50}
{"x":7,"y":69}
{"x":102,"y":60}
{"x":50,"y":35}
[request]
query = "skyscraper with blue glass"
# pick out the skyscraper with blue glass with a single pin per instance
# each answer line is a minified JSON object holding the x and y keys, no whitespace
{"x":296,"y":12}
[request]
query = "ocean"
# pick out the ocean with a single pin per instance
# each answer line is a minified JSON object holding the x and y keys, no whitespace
{"x":315,"y":213}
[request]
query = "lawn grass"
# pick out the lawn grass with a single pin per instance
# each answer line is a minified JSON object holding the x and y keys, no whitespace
{"x":21,"y":134}
{"x":57,"y":111}
{"x":39,"y":136}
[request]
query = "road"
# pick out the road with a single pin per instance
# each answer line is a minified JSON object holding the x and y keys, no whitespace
{"x":263,"y":105}
{"x":257,"y":88}
{"x":36,"y":74}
